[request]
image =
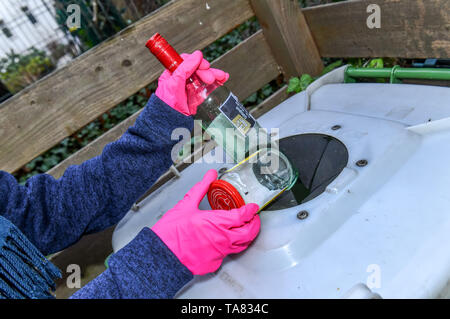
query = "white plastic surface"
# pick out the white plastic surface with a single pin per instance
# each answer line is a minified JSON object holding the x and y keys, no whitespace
{"x":389,"y":219}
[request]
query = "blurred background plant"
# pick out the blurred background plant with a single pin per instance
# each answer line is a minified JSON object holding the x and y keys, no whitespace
{"x":17,"y":71}
{"x":299,"y":84}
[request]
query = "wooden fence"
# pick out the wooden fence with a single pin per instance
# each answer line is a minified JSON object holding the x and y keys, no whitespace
{"x":292,"y":42}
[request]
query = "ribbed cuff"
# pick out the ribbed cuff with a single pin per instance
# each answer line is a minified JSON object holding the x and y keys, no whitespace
{"x":159,"y":114}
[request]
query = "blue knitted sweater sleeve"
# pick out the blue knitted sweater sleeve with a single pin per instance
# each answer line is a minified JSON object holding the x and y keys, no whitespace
{"x":145,"y":268}
{"x":55,"y":213}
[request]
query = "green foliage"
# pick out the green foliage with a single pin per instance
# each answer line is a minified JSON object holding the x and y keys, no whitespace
{"x":297,"y":85}
{"x":17,"y":71}
{"x":330,"y":67}
{"x":294,"y":85}
{"x":373,"y":63}
{"x":376,"y":64}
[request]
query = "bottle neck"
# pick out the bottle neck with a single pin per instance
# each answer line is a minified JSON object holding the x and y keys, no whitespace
{"x":164,"y":52}
{"x":170,"y":61}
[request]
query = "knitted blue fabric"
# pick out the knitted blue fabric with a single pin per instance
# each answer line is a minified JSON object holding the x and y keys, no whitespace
{"x":145,"y":268}
{"x":54,"y":213}
{"x":24,"y":271}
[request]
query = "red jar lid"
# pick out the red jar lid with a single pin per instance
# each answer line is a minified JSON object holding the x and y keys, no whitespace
{"x":222,"y":195}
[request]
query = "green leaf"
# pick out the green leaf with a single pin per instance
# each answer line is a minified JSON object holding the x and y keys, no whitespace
{"x":252,"y":98}
{"x":376,"y":63}
{"x":305,"y":81}
{"x":356,"y":62}
{"x":331,"y":67}
{"x":267,"y":91}
{"x":294,"y":85}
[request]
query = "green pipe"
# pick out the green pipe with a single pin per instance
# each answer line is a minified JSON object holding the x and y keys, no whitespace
{"x":368,"y":73}
{"x":424,"y":73}
{"x":396,"y":73}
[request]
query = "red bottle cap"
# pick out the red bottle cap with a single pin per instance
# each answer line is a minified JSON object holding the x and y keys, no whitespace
{"x":222,"y":195}
{"x":164,"y":52}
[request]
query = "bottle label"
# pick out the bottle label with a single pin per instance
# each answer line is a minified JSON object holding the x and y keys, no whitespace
{"x":237,"y":114}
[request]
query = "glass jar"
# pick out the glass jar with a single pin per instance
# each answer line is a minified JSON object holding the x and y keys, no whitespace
{"x":258,"y":179}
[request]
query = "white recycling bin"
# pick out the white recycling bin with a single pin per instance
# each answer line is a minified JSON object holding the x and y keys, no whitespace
{"x":379,"y":227}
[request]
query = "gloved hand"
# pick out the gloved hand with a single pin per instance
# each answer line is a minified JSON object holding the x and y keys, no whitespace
{"x":172,"y":88}
{"x":200,"y":238}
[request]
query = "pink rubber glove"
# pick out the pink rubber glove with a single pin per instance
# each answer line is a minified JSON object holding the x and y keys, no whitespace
{"x":172,"y":87}
{"x":201,"y":239}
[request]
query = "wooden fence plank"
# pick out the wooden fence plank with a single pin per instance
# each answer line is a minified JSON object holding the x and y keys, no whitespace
{"x":250,"y":64}
{"x":248,"y":72}
{"x":409,"y":29}
{"x":289,"y":36}
{"x":42,"y":115}
{"x":269,"y":103}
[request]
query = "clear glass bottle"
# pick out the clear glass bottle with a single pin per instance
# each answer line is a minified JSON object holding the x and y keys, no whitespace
{"x":222,"y":116}
{"x":258,"y":179}
{"x":263,"y":172}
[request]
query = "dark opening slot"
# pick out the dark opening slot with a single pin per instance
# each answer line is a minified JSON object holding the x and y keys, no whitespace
{"x":318,"y":158}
